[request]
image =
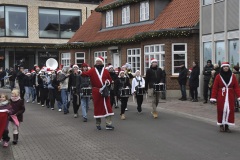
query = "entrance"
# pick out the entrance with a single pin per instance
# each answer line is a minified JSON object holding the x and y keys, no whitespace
{"x":116,"y":60}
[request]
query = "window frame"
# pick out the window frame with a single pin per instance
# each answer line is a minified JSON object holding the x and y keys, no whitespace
{"x":81,"y":58}
{"x":102,"y":54}
{"x":5,"y":19}
{"x":229,"y":51}
{"x":148,"y":54}
{"x":178,"y":52}
{"x":144,"y":16}
{"x":206,"y":4}
{"x":109,"y":18}
{"x":133,"y":58}
{"x":126,"y":14}
{"x":63,"y":60}
{"x":59,"y":20}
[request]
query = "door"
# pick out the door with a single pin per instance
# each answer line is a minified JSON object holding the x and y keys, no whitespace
{"x":116,"y":60}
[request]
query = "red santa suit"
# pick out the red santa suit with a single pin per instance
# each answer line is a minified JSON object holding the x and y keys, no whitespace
{"x":224,"y":94}
{"x":102,"y":106}
{"x":3,"y":121}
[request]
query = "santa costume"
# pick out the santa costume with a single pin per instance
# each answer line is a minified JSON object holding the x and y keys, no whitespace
{"x":223,"y":92}
{"x":102,"y":107}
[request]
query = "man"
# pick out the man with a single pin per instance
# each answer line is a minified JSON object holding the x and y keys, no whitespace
{"x":102,"y":107}
{"x":20,"y":78}
{"x":2,"y":75}
{"x":36,"y":85}
{"x":182,"y":80}
{"x":12,"y":76}
{"x":207,"y":75}
{"x":153,"y":76}
{"x":114,"y":77}
{"x":74,"y":84}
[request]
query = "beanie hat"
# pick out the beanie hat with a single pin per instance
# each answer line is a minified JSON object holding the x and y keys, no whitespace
{"x":84,"y":65}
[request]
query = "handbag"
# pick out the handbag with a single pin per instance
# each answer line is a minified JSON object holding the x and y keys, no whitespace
{"x":105,"y":92}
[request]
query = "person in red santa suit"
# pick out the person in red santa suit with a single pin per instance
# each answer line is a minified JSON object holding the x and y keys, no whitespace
{"x":102,"y":107}
{"x":223,"y":92}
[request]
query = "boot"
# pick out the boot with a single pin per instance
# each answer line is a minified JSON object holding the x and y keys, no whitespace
{"x":221,"y":128}
{"x":15,"y":139}
{"x":227,"y":128}
{"x":123,"y":117}
{"x":155,"y":114}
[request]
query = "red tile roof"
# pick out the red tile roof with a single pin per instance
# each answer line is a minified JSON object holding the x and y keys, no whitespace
{"x":177,"y":14}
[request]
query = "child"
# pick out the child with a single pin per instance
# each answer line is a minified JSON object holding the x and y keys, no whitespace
{"x":4,"y":105}
{"x":18,"y":109}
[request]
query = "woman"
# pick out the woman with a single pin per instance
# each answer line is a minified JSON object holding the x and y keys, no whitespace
{"x":122,"y":83}
{"x":18,"y":108}
{"x":138,"y":82}
{"x":223,"y":92}
{"x":194,"y":82}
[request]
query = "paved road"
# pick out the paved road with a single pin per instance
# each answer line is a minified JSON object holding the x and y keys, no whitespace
{"x":51,"y":135}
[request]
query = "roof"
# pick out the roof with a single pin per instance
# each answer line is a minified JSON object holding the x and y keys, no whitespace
{"x":177,"y":14}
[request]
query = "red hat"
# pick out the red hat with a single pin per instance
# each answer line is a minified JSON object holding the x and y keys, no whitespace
{"x":37,"y":67}
{"x":75,"y":66}
{"x":32,"y":71}
{"x":225,"y":64}
{"x":84,"y":65}
{"x":99,"y":59}
{"x":28,"y":73}
{"x":48,"y":69}
{"x":59,"y":70}
{"x":153,"y":60}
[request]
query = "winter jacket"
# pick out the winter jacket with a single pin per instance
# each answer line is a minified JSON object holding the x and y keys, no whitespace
{"x":207,"y":72}
{"x":18,"y":108}
{"x":182,"y":78}
{"x":153,"y":75}
{"x":194,"y":77}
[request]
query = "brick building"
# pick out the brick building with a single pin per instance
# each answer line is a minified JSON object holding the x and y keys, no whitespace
{"x":135,"y":31}
{"x":29,"y":29}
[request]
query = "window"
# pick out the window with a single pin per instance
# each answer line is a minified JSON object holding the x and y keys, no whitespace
{"x":13,"y":21}
{"x":218,"y":1}
{"x":207,"y":52}
{"x":134,"y":58}
{"x":220,"y":52}
{"x":102,"y":54}
{"x":66,"y":59}
{"x":54,"y":23}
{"x":156,"y":51}
{"x":233,"y":46}
{"x":109,"y":18}
{"x":179,"y":55}
{"x":126,"y":15}
{"x":144,"y":11}
{"x":207,"y":2}
{"x":79,"y":58}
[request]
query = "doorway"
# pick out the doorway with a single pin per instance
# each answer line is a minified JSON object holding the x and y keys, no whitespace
{"x":115,"y":60}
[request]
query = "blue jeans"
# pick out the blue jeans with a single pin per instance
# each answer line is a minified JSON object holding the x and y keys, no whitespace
{"x":59,"y":104}
{"x":85,"y":106}
{"x":64,"y":95}
{"x":183,"y":91}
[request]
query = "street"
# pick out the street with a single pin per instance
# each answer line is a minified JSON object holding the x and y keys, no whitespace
{"x":49,"y":134}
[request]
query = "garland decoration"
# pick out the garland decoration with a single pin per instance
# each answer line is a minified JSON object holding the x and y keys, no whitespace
{"x":137,"y":38}
{"x":116,"y":4}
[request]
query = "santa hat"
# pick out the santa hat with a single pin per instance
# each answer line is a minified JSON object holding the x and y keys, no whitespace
{"x":89,"y":68}
{"x":36,"y":67}
{"x":119,"y":75}
{"x":32,"y":71}
{"x":225,"y":64}
{"x":59,"y":71}
{"x":84,"y":65}
{"x":28,"y":73}
{"x":110,"y":66}
{"x":75,"y":66}
{"x":99,"y":59}
{"x":153,"y":60}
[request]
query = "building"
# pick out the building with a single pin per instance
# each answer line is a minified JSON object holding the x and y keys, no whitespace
{"x":29,"y":29}
{"x":219,"y":31}
{"x":135,"y":31}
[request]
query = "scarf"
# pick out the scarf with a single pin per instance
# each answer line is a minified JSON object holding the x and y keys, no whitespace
{"x":14,"y":99}
{"x":4,"y":103}
{"x":226,"y":75}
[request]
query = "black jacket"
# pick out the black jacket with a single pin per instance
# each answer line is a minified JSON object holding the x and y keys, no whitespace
{"x":207,"y":72}
{"x":153,"y":75}
{"x":13,"y":76}
{"x":121,"y":83}
{"x":74,"y":83}
{"x":28,"y":81}
{"x":182,"y":78}
{"x":194,"y":77}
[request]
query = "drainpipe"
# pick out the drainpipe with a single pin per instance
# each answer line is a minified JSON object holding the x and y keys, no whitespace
{"x":89,"y":56}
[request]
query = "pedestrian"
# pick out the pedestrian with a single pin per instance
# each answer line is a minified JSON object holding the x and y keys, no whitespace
{"x":194,"y":81}
{"x":153,"y":78}
{"x":138,"y":83}
{"x":20,"y":78}
{"x":28,"y":84}
{"x":237,"y":74}
{"x":122,"y":83}
{"x":12,"y":77}
{"x":102,"y":107}
{"x":43,"y":88}
{"x":207,"y":75}
{"x":224,"y":89}
{"x":36,"y":85}
{"x":2,"y":75}
{"x":51,"y":90}
{"x":182,"y":80}
{"x":18,"y":108}
{"x":56,"y":85}
{"x":86,"y":88}
{"x":114,"y":77}
{"x":74,"y":84}
{"x":4,"y":105}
